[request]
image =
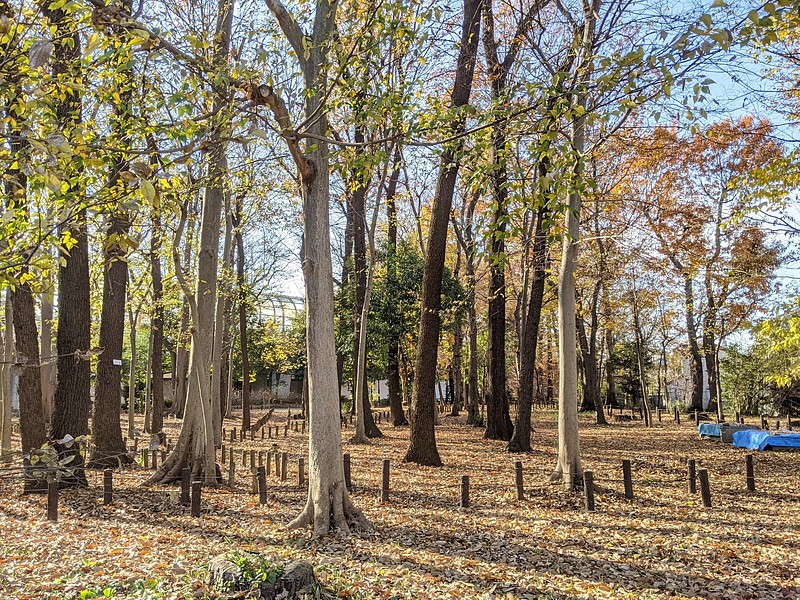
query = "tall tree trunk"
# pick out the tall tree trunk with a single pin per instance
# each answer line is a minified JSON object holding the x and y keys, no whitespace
{"x":393,"y":358}
{"x":358,"y":199}
{"x":611,"y":385}
{"x":694,"y":347}
{"x":640,"y":361}
{"x":23,"y":313}
{"x":157,"y":323}
{"x":568,"y":466}
{"x":328,"y":502}
{"x":521,"y":439}
{"x":196,"y":443}
{"x":109,"y":446}
{"x":148,"y":383}
{"x":133,"y":319}
{"x":222,"y":302}
{"x":422,"y":449}
{"x":72,"y":402}
{"x":243,"y":299}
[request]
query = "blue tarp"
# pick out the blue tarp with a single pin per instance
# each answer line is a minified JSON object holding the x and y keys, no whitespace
{"x":764,"y":440}
{"x":709,"y":429}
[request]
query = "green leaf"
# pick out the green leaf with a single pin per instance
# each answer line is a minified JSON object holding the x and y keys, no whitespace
{"x":147,"y":189}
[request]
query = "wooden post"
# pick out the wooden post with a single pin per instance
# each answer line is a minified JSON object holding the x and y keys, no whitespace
{"x":518,"y":479}
{"x":286,"y":430}
{"x":145,"y":458}
{"x":231,"y":470}
{"x":284,"y":465}
{"x":242,"y":434}
{"x":254,"y":481}
{"x":465,"y":491}
{"x":155,"y":459}
{"x":108,"y":486}
{"x":696,"y":417}
{"x":277,"y":464}
{"x":224,"y":434}
{"x":262,"y":485}
{"x":135,"y":445}
{"x":736,"y":416}
{"x":763,"y":422}
{"x":301,"y":471}
{"x":677,"y":416}
{"x":385,"y":481}
{"x":303,"y":427}
{"x":751,"y":475}
{"x":260,"y":458}
{"x":186,"y":475}
{"x":197,"y":486}
{"x":222,"y":460}
{"x":252,"y":459}
{"x":233,"y":435}
{"x":705,"y":489}
{"x":347,"y":481}
{"x":692,"y":467}
{"x":627,"y":479}
{"x":588,"y":488}
{"x":262,"y":433}
{"x":269,"y":462}
{"x":674,"y":413}
{"x":269,"y":431}
{"x":658,"y":412}
{"x":789,"y":422}
{"x":52,"y":500}
{"x":252,"y":434}
{"x":244,"y":457}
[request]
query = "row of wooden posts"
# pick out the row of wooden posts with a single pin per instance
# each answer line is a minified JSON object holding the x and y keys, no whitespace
{"x":191,"y":490}
{"x":737,"y":418}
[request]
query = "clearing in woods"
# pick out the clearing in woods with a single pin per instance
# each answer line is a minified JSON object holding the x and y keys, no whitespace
{"x":662,"y":544}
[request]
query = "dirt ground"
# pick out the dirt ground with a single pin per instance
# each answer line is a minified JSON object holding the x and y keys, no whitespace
{"x":662,"y":544}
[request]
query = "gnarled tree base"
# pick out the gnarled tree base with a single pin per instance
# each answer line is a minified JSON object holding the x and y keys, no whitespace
{"x":340,"y":514}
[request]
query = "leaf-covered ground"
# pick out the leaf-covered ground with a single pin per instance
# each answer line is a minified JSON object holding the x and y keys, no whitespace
{"x":663,"y":544}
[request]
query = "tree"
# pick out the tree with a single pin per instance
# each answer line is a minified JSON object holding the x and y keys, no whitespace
{"x":422,"y":448}
{"x":72,"y":403}
{"x":328,"y":503}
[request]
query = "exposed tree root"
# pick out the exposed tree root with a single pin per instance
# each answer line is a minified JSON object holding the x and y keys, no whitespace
{"x":341,"y":516}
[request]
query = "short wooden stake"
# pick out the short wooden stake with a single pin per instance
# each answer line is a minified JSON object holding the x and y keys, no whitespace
{"x":244,"y":458}
{"x":254,"y":481}
{"x":691,"y":465}
{"x":301,"y":471}
{"x":658,"y":412}
{"x":52,"y":500}
{"x":135,"y":445}
{"x":222,"y":460}
{"x":262,"y":484}
{"x":751,"y":475}
{"x":145,"y":458}
{"x":303,"y":427}
{"x":627,"y":479}
{"x":284,"y":465}
{"x":242,"y":434}
{"x":269,"y":462}
{"x":348,"y":483}
{"x":465,"y":491}
{"x":197,"y":486}
{"x":385,"y":481}
{"x":269,"y":431}
{"x":763,"y":423}
{"x":252,"y":459}
{"x":588,"y":488}
{"x":108,"y":486}
{"x":678,"y":416}
{"x":696,"y":417}
{"x":705,"y":489}
{"x":186,"y":478}
{"x":252,"y":435}
{"x":262,"y":433}
{"x":277,"y":464}
{"x":518,"y":479}
{"x":224,"y":433}
{"x":154,"y":459}
{"x":231,"y":470}
{"x":286,"y":430}
{"x":233,"y":435}
{"x":260,"y":458}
